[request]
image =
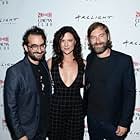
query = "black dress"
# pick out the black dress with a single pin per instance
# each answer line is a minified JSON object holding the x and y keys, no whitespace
{"x":66,"y":113}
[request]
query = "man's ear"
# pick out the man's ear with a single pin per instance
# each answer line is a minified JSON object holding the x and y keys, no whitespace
{"x":25,"y":48}
{"x":109,"y":37}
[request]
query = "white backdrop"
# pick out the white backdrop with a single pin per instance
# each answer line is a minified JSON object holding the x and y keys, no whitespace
{"x":122,"y":17}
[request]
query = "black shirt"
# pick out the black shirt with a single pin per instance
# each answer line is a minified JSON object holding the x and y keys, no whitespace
{"x":43,"y":84}
{"x":98,"y":100}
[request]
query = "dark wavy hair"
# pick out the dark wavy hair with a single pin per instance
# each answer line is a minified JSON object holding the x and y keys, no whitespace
{"x":58,"y":54}
{"x":34,"y":30}
{"x":94,"y":26}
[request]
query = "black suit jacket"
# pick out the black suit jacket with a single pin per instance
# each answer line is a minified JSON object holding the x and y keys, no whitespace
{"x":119,"y":88}
{"x":21,"y":99}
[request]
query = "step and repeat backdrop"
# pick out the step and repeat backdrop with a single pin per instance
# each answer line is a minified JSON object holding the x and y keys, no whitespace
{"x":121,"y":16}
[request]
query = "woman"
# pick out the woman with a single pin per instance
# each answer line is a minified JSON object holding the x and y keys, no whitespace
{"x":67,"y":69}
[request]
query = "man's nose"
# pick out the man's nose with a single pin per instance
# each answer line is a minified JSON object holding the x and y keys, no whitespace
{"x":97,"y":40}
{"x":39,"y":49}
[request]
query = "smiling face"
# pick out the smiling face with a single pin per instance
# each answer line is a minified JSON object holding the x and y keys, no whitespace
{"x":98,"y":40}
{"x":67,"y":43}
{"x":35,"y":48}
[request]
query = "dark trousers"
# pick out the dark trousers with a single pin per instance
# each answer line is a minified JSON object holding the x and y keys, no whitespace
{"x":100,"y":130}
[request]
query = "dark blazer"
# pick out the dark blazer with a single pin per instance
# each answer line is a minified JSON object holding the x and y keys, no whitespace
{"x":119,"y":88}
{"x":21,"y":99}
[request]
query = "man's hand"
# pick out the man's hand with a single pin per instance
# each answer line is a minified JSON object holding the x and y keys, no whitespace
{"x":121,"y":131}
{"x":23,"y":138}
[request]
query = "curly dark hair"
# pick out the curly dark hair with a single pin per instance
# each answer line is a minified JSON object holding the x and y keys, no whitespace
{"x":34,"y":30}
{"x":58,"y":54}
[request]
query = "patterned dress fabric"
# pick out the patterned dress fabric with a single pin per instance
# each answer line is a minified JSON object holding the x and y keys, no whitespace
{"x":66,"y":113}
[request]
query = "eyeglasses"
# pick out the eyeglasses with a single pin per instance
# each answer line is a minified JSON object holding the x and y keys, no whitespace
{"x":36,"y":47}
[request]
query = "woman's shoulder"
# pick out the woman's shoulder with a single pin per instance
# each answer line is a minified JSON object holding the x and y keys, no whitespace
{"x":49,"y":62}
{"x":82,"y":66}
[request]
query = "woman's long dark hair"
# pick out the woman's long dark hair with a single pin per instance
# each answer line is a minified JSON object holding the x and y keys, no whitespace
{"x":58,"y":54}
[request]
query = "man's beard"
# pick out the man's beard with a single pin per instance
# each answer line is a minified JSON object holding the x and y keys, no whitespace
{"x":33,"y":57}
{"x":99,"y":50}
